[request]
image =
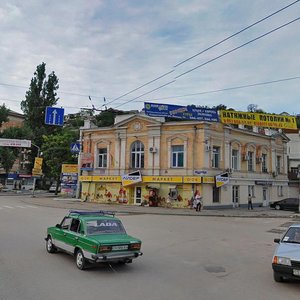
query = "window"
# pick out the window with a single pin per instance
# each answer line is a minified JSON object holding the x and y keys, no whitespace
{"x":234,"y":159}
{"x":280,"y":191}
{"x":216,"y":157}
{"x":250,"y":161}
{"x":75,"y":225}
{"x":65,"y":224}
{"x":264,"y":163}
{"x":278,"y":164}
{"x":102,"y":158}
{"x":177,"y":156}
{"x":137,"y":155}
{"x":251,"y":190}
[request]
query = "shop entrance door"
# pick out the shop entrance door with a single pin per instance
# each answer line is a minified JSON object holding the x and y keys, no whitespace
{"x":235,"y":196}
{"x":138,"y":195}
{"x":265,"y":196}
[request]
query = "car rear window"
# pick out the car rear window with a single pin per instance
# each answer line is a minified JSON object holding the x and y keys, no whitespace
{"x":104,"y":226}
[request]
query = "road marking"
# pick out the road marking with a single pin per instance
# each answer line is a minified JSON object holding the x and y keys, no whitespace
{"x":21,"y":206}
{"x":31,"y":206}
{"x":8,"y":206}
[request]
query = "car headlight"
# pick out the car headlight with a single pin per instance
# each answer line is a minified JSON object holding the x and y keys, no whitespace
{"x":278,"y":260}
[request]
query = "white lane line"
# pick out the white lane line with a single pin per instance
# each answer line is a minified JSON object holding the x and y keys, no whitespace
{"x":31,"y":206}
{"x":20,"y":206}
{"x":8,"y":206}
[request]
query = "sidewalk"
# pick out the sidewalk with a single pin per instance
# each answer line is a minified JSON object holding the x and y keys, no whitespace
{"x":57,"y":202}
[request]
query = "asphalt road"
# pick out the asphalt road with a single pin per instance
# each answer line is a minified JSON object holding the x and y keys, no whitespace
{"x":185,"y":257}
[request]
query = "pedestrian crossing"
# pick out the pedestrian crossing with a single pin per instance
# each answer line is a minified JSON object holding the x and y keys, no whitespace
{"x":12,"y":207}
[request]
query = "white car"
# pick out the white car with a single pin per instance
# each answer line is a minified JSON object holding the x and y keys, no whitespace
{"x":286,"y":259}
{"x":52,"y":188}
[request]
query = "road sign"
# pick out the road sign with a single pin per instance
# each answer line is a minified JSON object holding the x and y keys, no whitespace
{"x":75,"y":147}
{"x":54,"y":116}
{"x":37,"y":172}
{"x":38,"y":161}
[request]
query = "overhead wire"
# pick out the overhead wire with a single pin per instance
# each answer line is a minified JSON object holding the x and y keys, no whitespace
{"x":234,"y":34}
{"x":205,"y":50}
{"x":236,"y":48}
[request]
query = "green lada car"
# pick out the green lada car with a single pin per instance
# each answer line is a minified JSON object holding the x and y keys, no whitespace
{"x":93,"y":237}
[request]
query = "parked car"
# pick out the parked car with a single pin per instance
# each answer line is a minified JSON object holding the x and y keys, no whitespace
{"x":286,"y":259}
{"x":286,"y":204}
{"x":93,"y":237}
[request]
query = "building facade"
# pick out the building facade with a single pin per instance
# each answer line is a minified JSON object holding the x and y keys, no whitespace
{"x":145,"y":160}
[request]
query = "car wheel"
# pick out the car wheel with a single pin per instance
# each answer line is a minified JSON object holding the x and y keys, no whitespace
{"x":277,"y":277}
{"x":277,"y":207}
{"x":49,"y":245}
{"x":81,"y":262}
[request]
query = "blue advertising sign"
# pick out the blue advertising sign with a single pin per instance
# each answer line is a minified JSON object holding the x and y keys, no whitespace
{"x":54,"y":116}
{"x":181,"y":112}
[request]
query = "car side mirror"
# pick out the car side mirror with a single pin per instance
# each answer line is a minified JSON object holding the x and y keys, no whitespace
{"x":58,"y":226}
{"x":277,"y":241}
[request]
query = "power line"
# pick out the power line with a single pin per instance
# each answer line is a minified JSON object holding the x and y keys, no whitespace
{"x":146,"y":93}
{"x":234,"y":34}
{"x":147,"y":83}
{"x":214,"y":45}
{"x":226,"y":89}
{"x":236,"y":48}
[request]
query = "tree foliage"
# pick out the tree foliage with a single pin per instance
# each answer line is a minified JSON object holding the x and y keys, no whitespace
{"x":56,"y":151}
{"x":3,"y":114}
{"x":41,"y":93}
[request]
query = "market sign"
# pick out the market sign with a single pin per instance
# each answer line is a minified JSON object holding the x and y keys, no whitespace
{"x":85,"y":178}
{"x":208,"y":179}
{"x":258,"y":119}
{"x":221,"y":179}
{"x":163,"y":179}
{"x":107,"y":178}
{"x":189,"y":112}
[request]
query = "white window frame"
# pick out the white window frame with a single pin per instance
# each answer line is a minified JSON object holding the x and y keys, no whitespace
{"x":250,"y":161}
{"x":235,"y":159}
{"x":177,"y":153}
{"x":137,"y":157}
{"x":102,"y":158}
{"x":216,"y":155}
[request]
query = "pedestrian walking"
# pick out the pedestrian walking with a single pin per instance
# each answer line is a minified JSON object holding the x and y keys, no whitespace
{"x":250,"y":206}
{"x":197,"y":201}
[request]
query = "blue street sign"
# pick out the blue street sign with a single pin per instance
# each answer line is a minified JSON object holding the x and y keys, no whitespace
{"x":75,"y":147}
{"x":54,"y":116}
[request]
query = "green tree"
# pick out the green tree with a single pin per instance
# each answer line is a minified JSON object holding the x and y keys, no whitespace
{"x":41,"y":93}
{"x":8,"y":155}
{"x":3,"y":114}
{"x":56,"y":151}
{"x":7,"y":158}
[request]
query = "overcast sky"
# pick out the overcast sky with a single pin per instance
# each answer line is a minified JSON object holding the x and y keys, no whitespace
{"x":108,"y":48}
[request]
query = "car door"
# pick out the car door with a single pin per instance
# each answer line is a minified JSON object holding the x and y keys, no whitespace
{"x":72,"y":235}
{"x":59,"y":237}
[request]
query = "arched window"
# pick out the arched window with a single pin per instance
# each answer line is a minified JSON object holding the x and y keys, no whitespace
{"x":137,"y":155}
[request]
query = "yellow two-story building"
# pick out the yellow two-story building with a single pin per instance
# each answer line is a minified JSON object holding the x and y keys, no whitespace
{"x":145,"y":160}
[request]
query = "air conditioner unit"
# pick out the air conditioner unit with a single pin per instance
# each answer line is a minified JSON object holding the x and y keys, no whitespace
{"x":152,"y":149}
{"x":207,"y":148}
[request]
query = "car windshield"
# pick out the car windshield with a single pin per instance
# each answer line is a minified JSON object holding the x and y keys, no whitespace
{"x":292,"y":236}
{"x":104,"y":226}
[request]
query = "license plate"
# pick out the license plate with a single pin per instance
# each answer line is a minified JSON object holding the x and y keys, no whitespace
{"x":121,"y":247}
{"x":296,"y":272}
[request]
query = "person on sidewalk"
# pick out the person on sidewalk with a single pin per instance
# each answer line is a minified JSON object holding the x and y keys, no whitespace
{"x":250,"y":206}
{"x":198,"y":201}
